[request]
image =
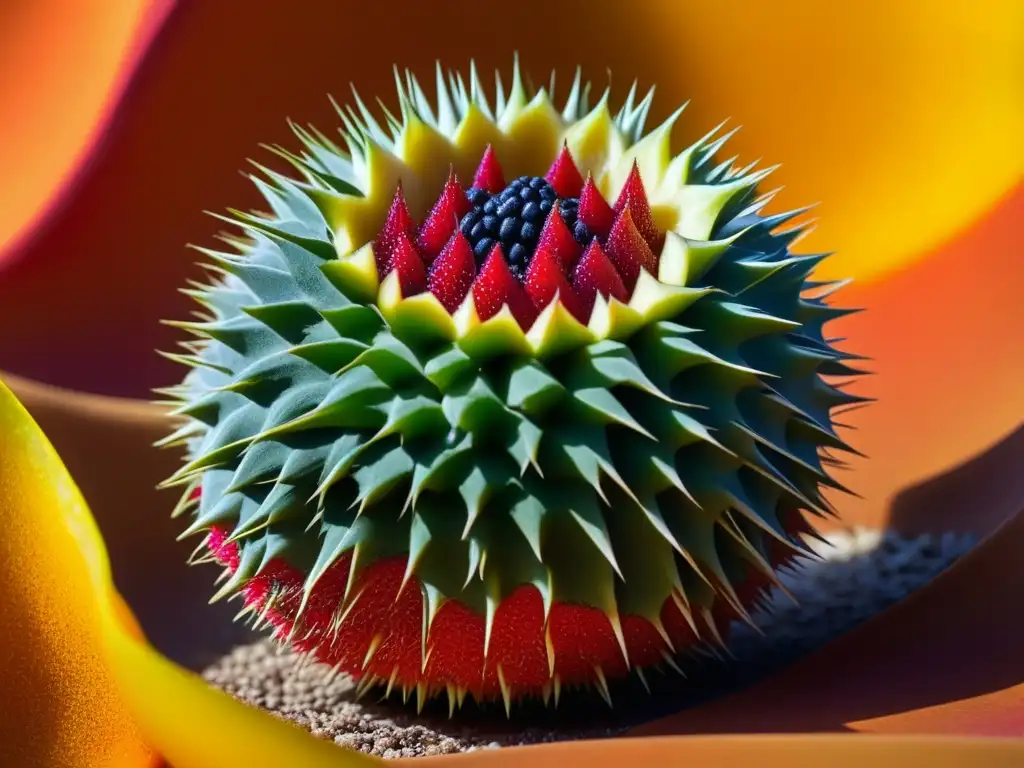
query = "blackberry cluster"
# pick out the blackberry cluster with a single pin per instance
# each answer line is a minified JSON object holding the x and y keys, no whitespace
{"x":570,"y":212}
{"x":514,"y":218}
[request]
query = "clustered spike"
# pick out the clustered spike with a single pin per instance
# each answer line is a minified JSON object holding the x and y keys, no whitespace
{"x":501,"y":440}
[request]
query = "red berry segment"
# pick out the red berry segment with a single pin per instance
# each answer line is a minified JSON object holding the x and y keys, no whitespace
{"x":488,"y":174}
{"x":556,"y":237}
{"x":545,"y":278}
{"x":452,"y":272}
{"x":406,"y":261}
{"x":564,"y":176}
{"x":634,"y":197}
{"x":495,"y":286}
{"x":629,"y":251}
{"x":398,"y":222}
{"x":594,"y":210}
{"x":443,"y":219}
{"x":595,"y":274}
{"x":582,"y":637}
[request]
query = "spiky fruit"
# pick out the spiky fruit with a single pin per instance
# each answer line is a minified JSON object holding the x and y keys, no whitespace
{"x":434,"y":494}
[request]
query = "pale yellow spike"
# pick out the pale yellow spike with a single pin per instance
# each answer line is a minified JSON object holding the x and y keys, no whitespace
{"x":602,"y":685}
{"x":363,"y":687}
{"x":405,"y":693}
{"x":679,"y":598}
{"x":616,"y":623}
{"x":452,"y":699}
{"x":262,"y":618}
{"x":557,"y":685}
{"x":391,"y":682}
{"x":371,"y":650}
{"x":549,"y":648}
{"x":460,"y":692}
{"x":428,"y":154}
{"x":652,"y":155}
{"x":506,"y":692}
{"x":474,"y":132}
{"x":545,"y":693}
{"x":662,"y":632}
{"x":245,"y":612}
{"x":534,"y":131}
{"x":595,"y":143}
{"x":643,"y":679}
{"x":713,"y":628}
{"x":421,"y":696}
{"x":700,"y":204}
{"x":672,"y":662}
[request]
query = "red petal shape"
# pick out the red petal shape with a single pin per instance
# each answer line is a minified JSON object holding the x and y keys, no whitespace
{"x":595,"y":274}
{"x":556,"y":237}
{"x":545,"y":278}
{"x":488,"y":174}
{"x":594,"y":210}
{"x":564,"y":176}
{"x":496,"y":286}
{"x":628,"y":250}
{"x":407,"y":262}
{"x":634,"y":198}
{"x":399,"y":221}
{"x":452,"y":272}
{"x":443,"y":219}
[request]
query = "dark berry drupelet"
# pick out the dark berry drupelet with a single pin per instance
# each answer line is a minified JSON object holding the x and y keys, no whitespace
{"x":570,"y":211}
{"x":514,"y":218}
{"x":477,"y":197}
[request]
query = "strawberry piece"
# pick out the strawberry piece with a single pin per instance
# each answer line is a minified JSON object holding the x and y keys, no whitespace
{"x":564,"y":176}
{"x":399,"y":221}
{"x":629,"y":251}
{"x":594,"y":210}
{"x":443,"y":219}
{"x":595,"y":274}
{"x":452,"y":272}
{"x":634,"y":197}
{"x":488,"y":174}
{"x":495,"y":286}
{"x":545,"y":278}
{"x":407,"y":262}
{"x":556,"y":237}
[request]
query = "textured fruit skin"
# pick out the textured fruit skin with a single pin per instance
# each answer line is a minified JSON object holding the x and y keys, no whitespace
{"x":495,"y":286}
{"x":452,"y":272}
{"x":594,"y":273}
{"x":628,"y":249}
{"x":443,"y":514}
{"x":594,"y":211}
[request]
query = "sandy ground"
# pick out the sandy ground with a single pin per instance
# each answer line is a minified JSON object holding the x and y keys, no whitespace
{"x":862,"y":573}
